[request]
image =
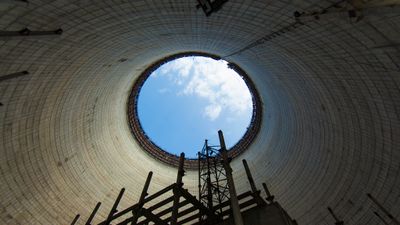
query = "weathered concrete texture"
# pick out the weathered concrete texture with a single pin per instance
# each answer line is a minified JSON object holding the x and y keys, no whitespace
{"x":330,"y":90}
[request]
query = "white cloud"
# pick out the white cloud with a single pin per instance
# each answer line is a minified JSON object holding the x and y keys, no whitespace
{"x":212,"y":111}
{"x":181,"y":66}
{"x":213,"y":81}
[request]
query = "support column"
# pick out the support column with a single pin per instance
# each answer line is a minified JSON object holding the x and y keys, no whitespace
{"x":89,"y":221}
{"x":232,"y":191}
{"x":256,"y":193}
{"x":27,"y":32}
{"x":199,"y":164}
{"x":136,"y":214}
{"x":209,"y":190}
{"x":13,"y":75}
{"x":177,"y":194}
{"x":249,"y":176}
{"x":114,"y":208}
{"x":270,"y":197}
{"x":75,"y":219}
{"x":338,"y":222}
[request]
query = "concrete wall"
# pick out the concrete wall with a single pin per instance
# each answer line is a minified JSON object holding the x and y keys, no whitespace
{"x":330,"y":90}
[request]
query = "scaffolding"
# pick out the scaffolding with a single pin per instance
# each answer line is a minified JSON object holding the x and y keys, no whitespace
{"x":213,"y":185}
{"x":217,"y":203}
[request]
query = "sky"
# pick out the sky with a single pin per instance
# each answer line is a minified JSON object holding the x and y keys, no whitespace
{"x":187,"y":100}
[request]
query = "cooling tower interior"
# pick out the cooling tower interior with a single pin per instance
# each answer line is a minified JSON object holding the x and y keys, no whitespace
{"x":327,"y":73}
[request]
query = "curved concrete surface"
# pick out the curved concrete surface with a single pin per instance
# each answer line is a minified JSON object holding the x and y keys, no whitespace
{"x":330,"y":90}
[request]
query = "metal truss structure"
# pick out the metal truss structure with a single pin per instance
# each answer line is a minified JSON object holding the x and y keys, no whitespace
{"x":218,"y":203}
{"x":213,"y":185}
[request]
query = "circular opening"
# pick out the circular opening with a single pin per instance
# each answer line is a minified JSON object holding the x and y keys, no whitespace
{"x":183,"y":99}
{"x":189,"y":99}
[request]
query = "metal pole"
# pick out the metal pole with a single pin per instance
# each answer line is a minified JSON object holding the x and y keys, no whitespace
{"x":232,"y":192}
{"x":209,"y":190}
{"x":338,"y":222}
{"x":27,"y":32}
{"x":13,"y":1}
{"x":13,"y":75}
{"x":146,"y":187}
{"x":249,"y":176}
{"x":270,"y":197}
{"x":75,"y":219}
{"x":179,"y":183}
{"x":114,"y":208}
{"x":256,"y":193}
{"x":88,"y":222}
{"x":199,"y":164}
{"x":181,"y":172}
{"x":142,"y":197}
{"x":217,"y":180}
{"x":383,"y":209}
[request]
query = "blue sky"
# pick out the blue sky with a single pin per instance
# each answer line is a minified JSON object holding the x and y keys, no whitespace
{"x":188,"y":100}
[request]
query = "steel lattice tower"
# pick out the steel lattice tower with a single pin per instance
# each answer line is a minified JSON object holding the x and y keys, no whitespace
{"x":213,"y":185}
